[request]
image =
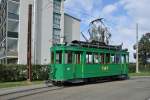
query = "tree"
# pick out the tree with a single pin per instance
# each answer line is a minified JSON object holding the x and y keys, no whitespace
{"x":144,"y":49}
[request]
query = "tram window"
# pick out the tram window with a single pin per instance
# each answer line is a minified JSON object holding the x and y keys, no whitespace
{"x":66,"y":58}
{"x":58,"y":58}
{"x":69,"y":57}
{"x":96,"y":59}
{"x":123,"y":58}
{"x":117,"y":58}
{"x":77,"y":58}
{"x":52,"y":58}
{"x":102,"y":58}
{"x":112,"y":59}
{"x":107,"y":58}
{"x":89,"y":59}
{"x":127,"y":59}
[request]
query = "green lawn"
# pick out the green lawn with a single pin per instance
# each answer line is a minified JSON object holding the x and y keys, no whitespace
{"x":16,"y":84}
{"x":140,"y":74}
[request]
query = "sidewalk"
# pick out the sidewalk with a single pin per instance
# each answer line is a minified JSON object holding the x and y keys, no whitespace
{"x":6,"y":91}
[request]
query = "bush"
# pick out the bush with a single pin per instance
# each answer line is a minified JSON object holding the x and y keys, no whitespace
{"x":142,"y":68}
{"x":19,"y":72}
{"x":40,"y":72}
{"x":132,"y":67}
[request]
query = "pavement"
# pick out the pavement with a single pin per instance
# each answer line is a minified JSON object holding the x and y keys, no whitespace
{"x":136,"y":88}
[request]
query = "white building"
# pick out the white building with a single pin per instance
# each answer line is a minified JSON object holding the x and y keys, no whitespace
{"x":71,"y":28}
{"x":49,"y":24}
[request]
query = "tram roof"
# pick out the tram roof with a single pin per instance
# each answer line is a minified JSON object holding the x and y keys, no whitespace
{"x":77,"y":48}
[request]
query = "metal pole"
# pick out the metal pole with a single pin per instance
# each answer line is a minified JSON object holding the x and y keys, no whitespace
{"x":137,"y":50}
{"x":29,"y":43}
{"x":35,"y":30}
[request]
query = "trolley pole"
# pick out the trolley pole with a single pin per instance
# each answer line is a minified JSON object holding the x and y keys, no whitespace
{"x":137,"y":50}
{"x":29,"y":43}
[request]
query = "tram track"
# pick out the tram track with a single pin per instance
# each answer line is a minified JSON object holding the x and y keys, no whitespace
{"x":48,"y":87}
{"x":25,"y":93}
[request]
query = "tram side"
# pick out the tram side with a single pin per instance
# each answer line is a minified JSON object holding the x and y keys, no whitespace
{"x":75,"y":63}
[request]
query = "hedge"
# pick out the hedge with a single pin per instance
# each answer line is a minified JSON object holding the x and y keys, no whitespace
{"x":142,"y":68}
{"x":40,"y":72}
{"x":19,"y":72}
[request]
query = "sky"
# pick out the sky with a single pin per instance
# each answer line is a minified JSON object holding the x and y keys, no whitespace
{"x":120,"y":16}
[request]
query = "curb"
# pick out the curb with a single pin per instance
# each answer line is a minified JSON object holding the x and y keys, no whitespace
{"x":140,"y":76}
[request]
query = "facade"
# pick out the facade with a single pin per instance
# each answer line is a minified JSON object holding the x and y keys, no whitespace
{"x":9,"y":23}
{"x":47,"y":29}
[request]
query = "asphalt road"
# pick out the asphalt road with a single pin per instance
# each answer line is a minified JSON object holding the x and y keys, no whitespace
{"x":133,"y":89}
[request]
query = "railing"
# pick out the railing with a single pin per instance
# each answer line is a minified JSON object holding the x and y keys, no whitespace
{"x":13,"y":53}
{"x":2,"y":54}
{"x":12,"y":47}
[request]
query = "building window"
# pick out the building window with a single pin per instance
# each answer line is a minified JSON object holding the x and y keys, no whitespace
{"x":57,"y":6}
{"x":56,"y":20}
{"x":56,"y":36}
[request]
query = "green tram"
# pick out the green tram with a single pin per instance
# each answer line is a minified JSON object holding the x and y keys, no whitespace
{"x":82,"y":61}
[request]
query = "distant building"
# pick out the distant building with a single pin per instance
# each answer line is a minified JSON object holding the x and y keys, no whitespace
{"x":71,"y":28}
{"x":49,"y":25}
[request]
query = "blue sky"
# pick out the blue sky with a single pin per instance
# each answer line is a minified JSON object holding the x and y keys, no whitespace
{"x":120,"y":16}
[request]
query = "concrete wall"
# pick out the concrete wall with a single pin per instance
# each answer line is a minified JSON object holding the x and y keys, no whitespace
{"x":42,"y":25}
{"x":46,"y":32}
{"x":23,"y":31}
{"x":71,"y":28}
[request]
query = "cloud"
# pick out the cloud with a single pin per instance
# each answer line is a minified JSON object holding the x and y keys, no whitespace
{"x":139,"y":11}
{"x":83,"y":9}
{"x":79,"y":7}
{"x":123,"y":25}
{"x":121,"y":16}
{"x":109,"y":9}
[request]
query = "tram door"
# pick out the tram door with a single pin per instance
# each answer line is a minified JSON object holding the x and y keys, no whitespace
{"x":77,"y":65}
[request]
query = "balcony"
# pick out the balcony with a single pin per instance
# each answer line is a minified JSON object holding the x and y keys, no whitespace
{"x":12,"y":53}
{"x":13,"y":16}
